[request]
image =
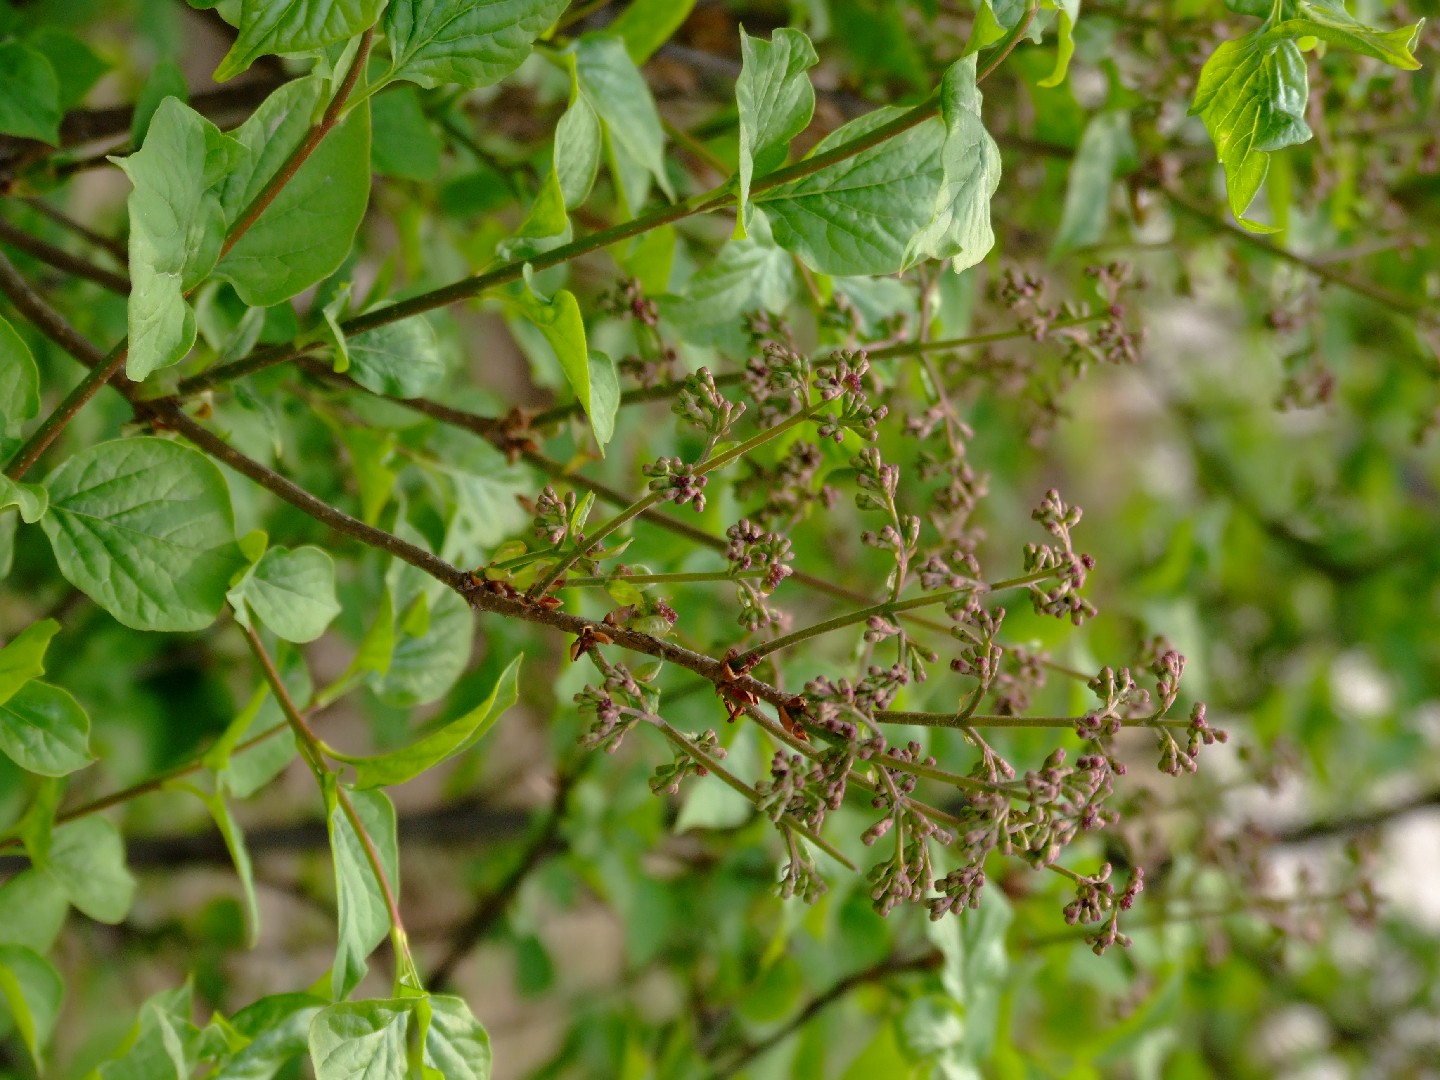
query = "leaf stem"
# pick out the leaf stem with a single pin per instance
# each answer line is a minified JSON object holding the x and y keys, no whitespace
{"x":886,"y":607}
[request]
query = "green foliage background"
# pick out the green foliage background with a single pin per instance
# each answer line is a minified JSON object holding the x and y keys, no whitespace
{"x":1261,"y":486}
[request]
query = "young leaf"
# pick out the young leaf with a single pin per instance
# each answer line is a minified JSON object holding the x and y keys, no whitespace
{"x":1253,"y":92}
{"x":29,"y":94}
{"x":291,"y":592}
{"x":33,"y":907}
{"x":305,"y":234}
{"x":176,"y":228}
{"x":1105,"y":149}
{"x":456,"y":1044}
{"x":31,"y":500}
{"x":32,"y":989}
{"x":144,"y":527}
{"x":463,"y":41}
{"x":44,"y":730}
{"x":23,"y":658}
{"x":87,"y":860}
{"x":647,"y":24}
{"x":454,"y":738}
{"x":1252,"y":96}
{"x":19,"y":381}
{"x":621,"y":97}
{"x":361,"y":1040}
{"x":775,"y":100}
{"x":363,"y":917}
{"x":960,"y":228}
{"x":559,"y":319}
{"x":400,"y":359}
{"x":293,"y":26}
{"x":278,"y":1030}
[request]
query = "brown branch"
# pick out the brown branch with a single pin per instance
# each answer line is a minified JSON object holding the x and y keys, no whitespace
{"x":61,"y":259}
{"x":107,"y":244}
{"x":886,"y":969}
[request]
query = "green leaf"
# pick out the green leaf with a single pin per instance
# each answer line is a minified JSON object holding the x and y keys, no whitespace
{"x":559,"y":319}
{"x":161,"y":1043}
{"x":1329,"y":21}
{"x":291,"y":592}
{"x":33,"y":990}
{"x":423,"y":666}
{"x":29,"y":94}
{"x":400,"y":359}
{"x":33,"y":907}
{"x":278,"y":1028}
{"x":402,"y":141}
{"x":234,"y":838}
{"x":361,"y":1040}
{"x":31,"y":499}
{"x":960,"y":228}
{"x":1105,"y":149}
{"x":1252,"y":92}
{"x":746,"y":275}
{"x":454,"y":738}
{"x":19,"y":381}
{"x":87,"y":860}
{"x":1252,"y":96}
{"x":44,"y":730}
{"x":622,"y":99}
{"x":456,"y":1044}
{"x":305,"y":234}
{"x":144,"y":527}
{"x":23,"y":658}
{"x":36,"y":828}
{"x":858,"y":216}
{"x":363,"y":917}
{"x":176,"y":228}
{"x":647,"y":24}
{"x":1063,"y":51}
{"x":293,"y":26}
{"x":77,"y":67}
{"x":973,"y":973}
{"x":776,"y":102}
{"x":472,"y":42}
{"x":577,"y":150}
{"x":604,"y":398}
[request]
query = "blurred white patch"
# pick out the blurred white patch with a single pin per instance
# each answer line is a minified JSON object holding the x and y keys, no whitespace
{"x":1409,"y":875}
{"x":1360,"y":689}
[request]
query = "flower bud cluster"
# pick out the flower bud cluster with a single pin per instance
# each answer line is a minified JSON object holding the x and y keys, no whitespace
{"x":842,"y":380}
{"x":668,"y":778}
{"x":620,"y":702}
{"x":752,"y":547}
{"x":1095,"y":900}
{"x":1061,"y":598}
{"x":701,"y":404}
{"x":776,"y":381}
{"x":555,"y":518}
{"x":678,"y":480}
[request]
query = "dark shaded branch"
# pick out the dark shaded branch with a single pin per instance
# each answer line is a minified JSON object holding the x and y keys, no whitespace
{"x":61,"y":259}
{"x":1360,"y":821}
{"x":886,"y":969}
